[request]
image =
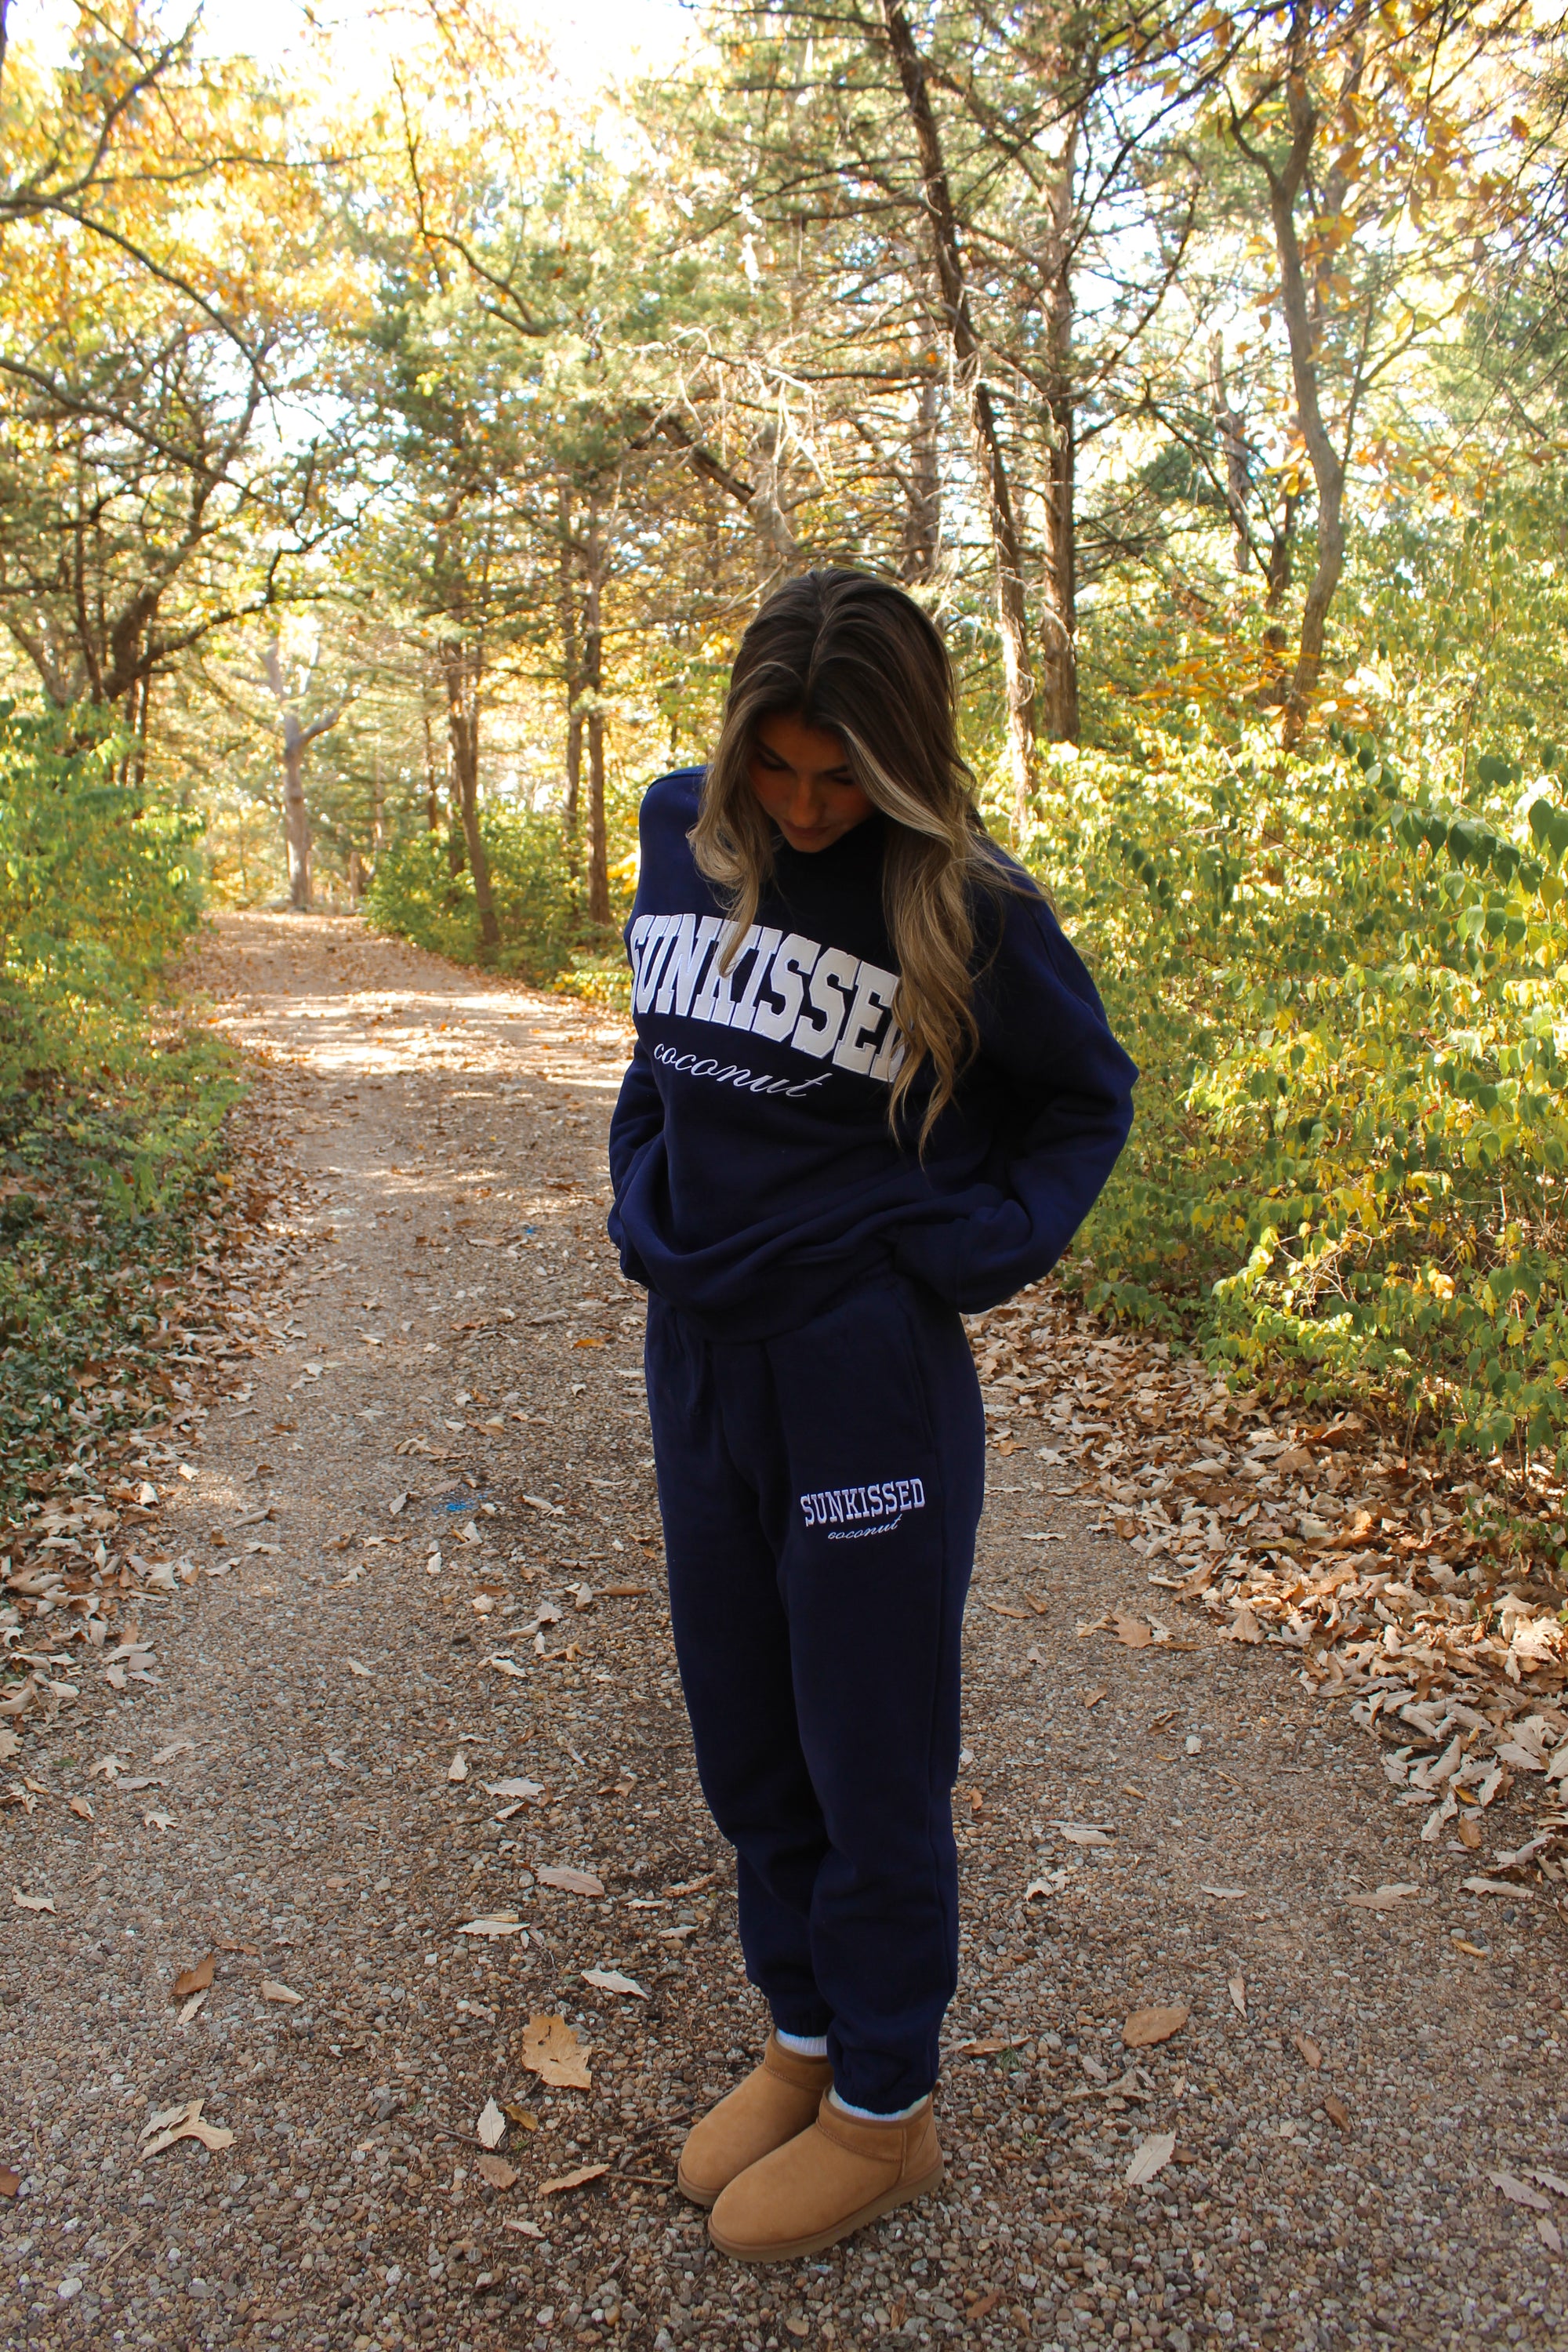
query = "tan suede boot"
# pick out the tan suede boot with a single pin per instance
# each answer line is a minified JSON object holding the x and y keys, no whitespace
{"x":825,"y":2182}
{"x":777,"y":2099}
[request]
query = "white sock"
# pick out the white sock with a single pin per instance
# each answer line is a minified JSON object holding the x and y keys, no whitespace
{"x":869,"y":2115}
{"x":803,"y":2045}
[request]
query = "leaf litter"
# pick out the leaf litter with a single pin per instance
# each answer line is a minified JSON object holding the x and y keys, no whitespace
{"x":1397,"y":1579}
{"x":548,"y":2048}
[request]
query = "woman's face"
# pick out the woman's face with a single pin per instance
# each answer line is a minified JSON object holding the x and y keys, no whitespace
{"x":802,"y":778}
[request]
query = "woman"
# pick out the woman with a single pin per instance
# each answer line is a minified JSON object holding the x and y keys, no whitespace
{"x":873,"y":1087}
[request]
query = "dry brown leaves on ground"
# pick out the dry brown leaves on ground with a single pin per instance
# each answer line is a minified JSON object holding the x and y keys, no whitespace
{"x":1323,"y":1538}
{"x":80,"y":1553}
{"x":548,"y":2048}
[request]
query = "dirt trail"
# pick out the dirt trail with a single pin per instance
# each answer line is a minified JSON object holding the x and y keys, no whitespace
{"x":1185,"y":1839}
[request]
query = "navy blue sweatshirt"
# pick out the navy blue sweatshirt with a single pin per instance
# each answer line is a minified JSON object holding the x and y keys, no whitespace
{"x":755,"y":1171}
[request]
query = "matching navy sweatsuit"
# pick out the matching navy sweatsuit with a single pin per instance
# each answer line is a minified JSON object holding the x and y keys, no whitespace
{"x":817,"y":1421}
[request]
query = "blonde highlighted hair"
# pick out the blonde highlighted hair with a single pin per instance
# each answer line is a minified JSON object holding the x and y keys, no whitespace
{"x":855,"y":656}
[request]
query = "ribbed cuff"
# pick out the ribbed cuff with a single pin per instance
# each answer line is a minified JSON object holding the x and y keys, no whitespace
{"x":869,"y":2115}
{"x":803,"y":2045}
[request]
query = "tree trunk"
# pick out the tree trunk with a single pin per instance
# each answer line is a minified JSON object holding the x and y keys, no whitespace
{"x":1302,"y":334}
{"x":297,"y":741}
{"x":1230,"y":433}
{"x":1058,"y":632}
{"x":990,"y":463}
{"x":463,"y":733}
{"x":1277,"y":576}
{"x":432,"y":788}
{"x":570,"y":663}
{"x":592,"y":680}
{"x":923,"y":493}
{"x":296,"y":815}
{"x":778,"y":550}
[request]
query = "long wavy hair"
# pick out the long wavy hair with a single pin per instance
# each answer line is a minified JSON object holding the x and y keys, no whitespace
{"x":853,"y":655}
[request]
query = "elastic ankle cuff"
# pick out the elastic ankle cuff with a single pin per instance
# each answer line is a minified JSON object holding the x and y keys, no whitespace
{"x":869,"y":2115}
{"x":802,"y":2045}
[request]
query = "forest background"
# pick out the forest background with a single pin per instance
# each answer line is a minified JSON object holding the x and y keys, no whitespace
{"x":397,"y":431}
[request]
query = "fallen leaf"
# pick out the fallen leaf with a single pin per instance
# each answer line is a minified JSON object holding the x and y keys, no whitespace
{"x":1238,"y":1995}
{"x":1094,"y":1697}
{"x":1145,"y":2027}
{"x":1076,"y":1835}
{"x":355,"y":1667}
{"x":1336,"y":2111}
{"x":1550,"y":2179}
{"x":981,"y":2308}
{"x":1519,"y":2192}
{"x":1000,"y":1609}
{"x":524,"y":2117}
{"x":548,"y":2048}
{"x":197,"y":2001}
{"x":1384,"y":1899}
{"x":34,"y":1902}
{"x":1131,"y":1631}
{"x":81,"y":1809}
{"x":1243,"y":1627}
{"x":457,"y":1769}
{"x":520,"y":1789}
{"x":1224,"y":1893}
{"x":499,"y":1923}
{"x":524,"y":2229}
{"x":497,"y":2171}
{"x":1498,"y":1886}
{"x":623,"y":1591}
{"x":985,"y":2048}
{"x":1153,"y":2156}
{"x":272,"y":1990}
{"x":9,"y":1744}
{"x":584,"y":2173}
{"x":1550,"y":2236}
{"x":1309,"y":2050}
{"x":9,"y":2182}
{"x":183,"y":2122}
{"x":612,"y":1980}
{"x":1469,"y":1831}
{"x":1476,"y":1951}
{"x":195,"y":1980}
{"x":492,"y":2126}
{"x":176,"y":1748}
{"x":571,"y":1882}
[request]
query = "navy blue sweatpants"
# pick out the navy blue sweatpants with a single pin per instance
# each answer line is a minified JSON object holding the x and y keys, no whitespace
{"x":820,"y":1494}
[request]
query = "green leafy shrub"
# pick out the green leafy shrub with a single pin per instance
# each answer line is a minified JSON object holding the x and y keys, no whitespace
{"x":1346,"y":994}
{"x":112,"y":1116}
{"x":96,"y":889}
{"x":417,"y":893}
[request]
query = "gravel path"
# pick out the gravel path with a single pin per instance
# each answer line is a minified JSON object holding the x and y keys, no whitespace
{"x":1177,"y":1826}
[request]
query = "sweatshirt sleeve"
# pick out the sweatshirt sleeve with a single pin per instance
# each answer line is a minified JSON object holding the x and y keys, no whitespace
{"x":637,"y":1123}
{"x":1064,"y":1087}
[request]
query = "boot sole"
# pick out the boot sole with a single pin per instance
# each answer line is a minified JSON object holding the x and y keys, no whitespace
{"x":904,"y":2194}
{"x":704,"y":2197}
